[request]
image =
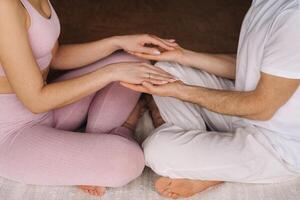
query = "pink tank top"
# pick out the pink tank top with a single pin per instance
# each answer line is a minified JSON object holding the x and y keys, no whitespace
{"x":43,"y":34}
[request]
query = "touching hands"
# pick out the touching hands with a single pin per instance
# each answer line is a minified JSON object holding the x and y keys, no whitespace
{"x":145,"y":44}
{"x":137,"y":73}
{"x":171,"y":89}
{"x":144,"y":77}
{"x":174,"y":55}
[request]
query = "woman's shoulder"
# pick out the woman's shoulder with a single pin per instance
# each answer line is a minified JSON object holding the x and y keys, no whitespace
{"x":9,"y":8}
{"x":9,"y":4}
{"x":12,"y":11}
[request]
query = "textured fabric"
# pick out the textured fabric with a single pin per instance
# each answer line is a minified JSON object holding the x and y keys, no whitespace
{"x":269,"y":44}
{"x":183,"y":148}
{"x":142,"y":188}
{"x":43,"y":34}
{"x":42,"y":149}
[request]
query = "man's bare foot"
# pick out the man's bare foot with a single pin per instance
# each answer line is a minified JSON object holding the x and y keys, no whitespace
{"x":181,"y":188}
{"x":93,"y":190}
{"x":154,"y":111}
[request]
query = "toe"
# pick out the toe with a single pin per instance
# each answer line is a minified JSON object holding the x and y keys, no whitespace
{"x":174,"y":196}
{"x":92,"y":190}
{"x":165,"y":193}
{"x":162,"y":183}
{"x":100,"y":190}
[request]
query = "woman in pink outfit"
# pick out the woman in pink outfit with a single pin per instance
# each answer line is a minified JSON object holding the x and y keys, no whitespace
{"x":38,"y":144}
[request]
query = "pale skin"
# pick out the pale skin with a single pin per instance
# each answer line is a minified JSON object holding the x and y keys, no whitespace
{"x":24,"y":78}
{"x":262,"y":103}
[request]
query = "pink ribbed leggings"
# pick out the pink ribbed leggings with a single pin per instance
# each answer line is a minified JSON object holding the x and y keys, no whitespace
{"x":50,"y":153}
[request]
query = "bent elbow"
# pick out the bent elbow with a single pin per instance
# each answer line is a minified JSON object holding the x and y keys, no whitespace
{"x":36,"y":109}
{"x":265,"y":115}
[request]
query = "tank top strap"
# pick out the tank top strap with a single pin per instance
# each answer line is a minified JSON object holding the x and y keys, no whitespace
{"x":28,"y":7}
{"x":33,"y":12}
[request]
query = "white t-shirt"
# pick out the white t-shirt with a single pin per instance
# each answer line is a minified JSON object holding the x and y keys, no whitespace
{"x":270,"y":43}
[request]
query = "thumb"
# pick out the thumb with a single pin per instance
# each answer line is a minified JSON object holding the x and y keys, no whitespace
{"x":148,"y":85}
{"x":149,"y":50}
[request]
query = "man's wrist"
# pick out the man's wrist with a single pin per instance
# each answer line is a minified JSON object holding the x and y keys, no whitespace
{"x":183,"y":92}
{"x":189,"y":93}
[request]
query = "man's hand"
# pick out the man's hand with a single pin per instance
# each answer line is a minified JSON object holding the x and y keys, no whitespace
{"x":169,"y":89}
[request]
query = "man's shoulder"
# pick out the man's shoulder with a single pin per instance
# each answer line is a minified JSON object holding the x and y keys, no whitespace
{"x":287,"y":16}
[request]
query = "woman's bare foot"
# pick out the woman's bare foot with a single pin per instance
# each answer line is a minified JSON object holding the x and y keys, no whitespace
{"x":181,"y":188}
{"x":154,"y":111}
{"x":93,"y":190}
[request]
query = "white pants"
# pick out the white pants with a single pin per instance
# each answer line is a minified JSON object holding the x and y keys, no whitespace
{"x":183,"y":148}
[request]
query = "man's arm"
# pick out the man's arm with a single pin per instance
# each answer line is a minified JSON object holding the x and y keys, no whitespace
{"x":223,"y":65}
{"x":260,"y":104}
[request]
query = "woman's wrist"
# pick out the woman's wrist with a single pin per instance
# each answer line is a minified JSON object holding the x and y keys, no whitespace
{"x":117,"y":41}
{"x":110,"y":73}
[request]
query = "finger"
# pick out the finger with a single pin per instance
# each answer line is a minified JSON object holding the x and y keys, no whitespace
{"x":157,"y":82}
{"x":147,"y":56}
{"x":163,"y":44}
{"x":168,"y":45}
{"x":149,"y":50}
{"x":157,"y":70}
{"x":150,"y":87}
{"x":170,"y":40}
{"x":134,"y":87}
{"x":154,"y":74}
{"x":138,"y":88}
{"x":159,"y":77}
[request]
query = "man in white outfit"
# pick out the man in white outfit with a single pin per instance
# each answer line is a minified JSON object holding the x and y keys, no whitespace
{"x":250,"y":104}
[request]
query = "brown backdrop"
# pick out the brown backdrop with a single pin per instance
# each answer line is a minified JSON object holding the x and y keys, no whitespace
{"x":203,"y":25}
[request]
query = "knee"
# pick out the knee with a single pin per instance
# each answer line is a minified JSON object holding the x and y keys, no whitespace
{"x":108,"y":111}
{"x":128,"y":165}
{"x":158,"y":151}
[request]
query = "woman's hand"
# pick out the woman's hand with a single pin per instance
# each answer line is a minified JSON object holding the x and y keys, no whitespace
{"x":137,"y":73}
{"x":178,"y":54}
{"x":145,"y":44}
{"x":171,"y":89}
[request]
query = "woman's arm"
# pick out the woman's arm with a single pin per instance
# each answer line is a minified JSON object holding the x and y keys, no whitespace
{"x":222,"y":65}
{"x":78,"y":55}
{"x":73,"y":56}
{"x":26,"y":79}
